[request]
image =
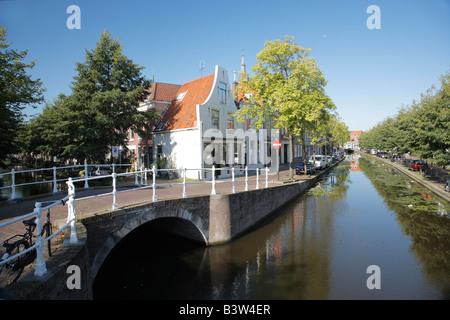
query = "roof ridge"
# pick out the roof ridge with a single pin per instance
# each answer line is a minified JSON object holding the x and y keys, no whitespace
{"x":209,"y":75}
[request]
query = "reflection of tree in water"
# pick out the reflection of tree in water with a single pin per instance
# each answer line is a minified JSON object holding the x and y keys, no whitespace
{"x":422,"y":216}
{"x":335,"y":185}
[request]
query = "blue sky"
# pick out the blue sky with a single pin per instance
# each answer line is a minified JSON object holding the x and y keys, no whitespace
{"x":371,"y":73}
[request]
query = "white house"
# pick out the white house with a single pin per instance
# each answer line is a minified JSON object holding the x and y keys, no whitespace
{"x":198,"y":130}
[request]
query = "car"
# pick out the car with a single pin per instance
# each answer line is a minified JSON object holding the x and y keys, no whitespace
{"x":320,"y":161}
{"x":418,"y":165}
{"x":329,"y":160}
{"x":310,"y":168}
{"x":447,"y":185}
{"x":101,"y":171}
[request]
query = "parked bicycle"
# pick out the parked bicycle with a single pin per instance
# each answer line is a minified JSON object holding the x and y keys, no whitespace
{"x":12,"y":270}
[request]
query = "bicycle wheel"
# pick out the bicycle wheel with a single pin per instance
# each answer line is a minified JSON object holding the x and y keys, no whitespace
{"x":11,"y":271}
{"x":48,"y":233}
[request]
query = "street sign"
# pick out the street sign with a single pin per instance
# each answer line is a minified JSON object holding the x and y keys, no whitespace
{"x":277,"y":144}
{"x":115,"y":152}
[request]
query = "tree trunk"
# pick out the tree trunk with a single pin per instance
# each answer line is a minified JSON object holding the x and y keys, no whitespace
{"x":305,"y":160}
{"x":291,"y":156}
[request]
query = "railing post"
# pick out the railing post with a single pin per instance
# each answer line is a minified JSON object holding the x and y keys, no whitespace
{"x":40,"y":268}
{"x":13,"y":184}
{"x":232,"y":180}
{"x":71,"y":214}
{"x":246,"y":178}
{"x":267,"y":177}
{"x":135,"y":174}
{"x":55,"y":190}
{"x":257,"y":178}
{"x":145,"y":175}
{"x":113,"y":168}
{"x":184,"y":183}
{"x":86,"y":184}
{"x":114,"y":204}
{"x":142,"y":176}
{"x":213,"y":190}
{"x":154,"y":186}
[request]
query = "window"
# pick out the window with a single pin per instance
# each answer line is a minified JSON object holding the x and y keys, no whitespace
{"x":159,"y":153}
{"x":215,"y":119}
{"x":230,"y":121}
{"x":181,"y":96}
{"x":160,"y":126}
{"x":131,"y":135}
{"x":223,"y":92}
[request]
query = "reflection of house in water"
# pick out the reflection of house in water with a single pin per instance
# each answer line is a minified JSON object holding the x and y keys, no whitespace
{"x":354,"y":163}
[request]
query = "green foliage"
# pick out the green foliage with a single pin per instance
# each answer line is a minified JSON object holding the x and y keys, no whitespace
{"x":288,"y":87}
{"x":339,"y":132}
{"x":17,"y":90}
{"x":422,"y":128}
{"x":99,"y":112}
{"x":286,"y":90}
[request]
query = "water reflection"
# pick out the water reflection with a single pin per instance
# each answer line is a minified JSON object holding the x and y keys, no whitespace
{"x":422,"y":216}
{"x":287,"y":264}
{"x":319,"y":247}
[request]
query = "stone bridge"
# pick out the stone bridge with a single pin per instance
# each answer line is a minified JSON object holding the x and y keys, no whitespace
{"x":211,"y":219}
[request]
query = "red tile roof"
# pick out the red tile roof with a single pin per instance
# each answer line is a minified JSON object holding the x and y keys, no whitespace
{"x":161,"y":91}
{"x":183,"y":114}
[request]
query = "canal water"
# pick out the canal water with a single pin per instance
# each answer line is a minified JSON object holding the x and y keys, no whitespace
{"x":321,"y":246}
{"x":25,"y":178}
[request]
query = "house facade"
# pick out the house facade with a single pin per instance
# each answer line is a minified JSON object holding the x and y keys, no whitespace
{"x":353,"y":143}
{"x":198,"y":130}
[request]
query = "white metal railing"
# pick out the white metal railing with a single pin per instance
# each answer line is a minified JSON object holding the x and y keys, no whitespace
{"x":55,"y":179}
{"x":40,"y":267}
{"x":143,"y":173}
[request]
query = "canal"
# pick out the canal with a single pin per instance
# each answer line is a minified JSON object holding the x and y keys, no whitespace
{"x":363,"y":213}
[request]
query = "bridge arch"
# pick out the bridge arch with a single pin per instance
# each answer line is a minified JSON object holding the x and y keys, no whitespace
{"x":175,"y":220}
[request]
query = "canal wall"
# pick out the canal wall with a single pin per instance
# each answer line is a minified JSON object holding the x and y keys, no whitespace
{"x":214,"y":219}
{"x":234,"y":214}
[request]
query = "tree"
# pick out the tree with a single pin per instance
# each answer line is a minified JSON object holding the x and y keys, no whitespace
{"x":423,"y":129}
{"x":46,"y":133}
{"x":17,"y":90}
{"x":287,"y":90}
{"x":433,"y":124}
{"x":322,"y":129}
{"x":339,"y":132}
{"x":103,"y":104}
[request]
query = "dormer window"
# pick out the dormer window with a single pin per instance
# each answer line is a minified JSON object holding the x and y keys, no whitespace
{"x":181,"y":96}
